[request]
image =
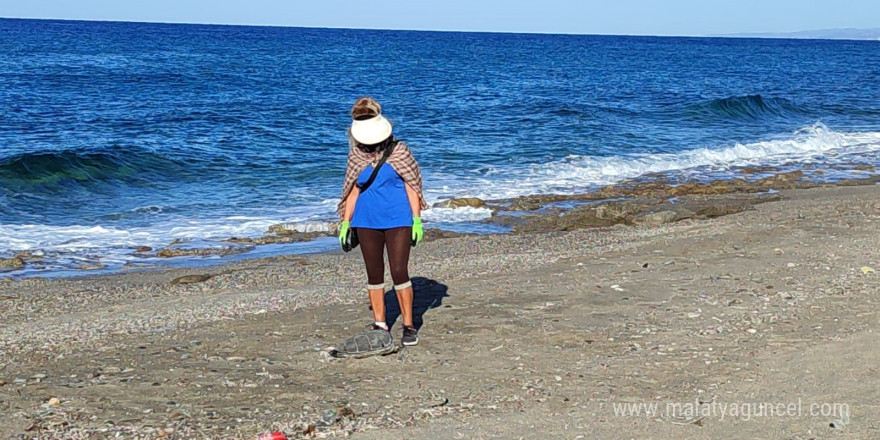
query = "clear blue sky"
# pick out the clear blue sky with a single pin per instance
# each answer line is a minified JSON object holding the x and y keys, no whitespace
{"x":633,"y":17}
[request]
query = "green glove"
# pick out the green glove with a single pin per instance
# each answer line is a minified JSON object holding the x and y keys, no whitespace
{"x":417,"y":231}
{"x":343,"y":231}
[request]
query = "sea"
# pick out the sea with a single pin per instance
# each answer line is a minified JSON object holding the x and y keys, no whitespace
{"x":119,"y":135}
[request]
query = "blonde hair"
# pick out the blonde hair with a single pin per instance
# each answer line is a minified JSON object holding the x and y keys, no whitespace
{"x":365,"y":108}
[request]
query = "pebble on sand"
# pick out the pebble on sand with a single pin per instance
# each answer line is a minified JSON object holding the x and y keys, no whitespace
{"x":191,"y":279}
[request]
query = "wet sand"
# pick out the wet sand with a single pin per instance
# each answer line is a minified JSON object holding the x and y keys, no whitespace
{"x":538,"y":334}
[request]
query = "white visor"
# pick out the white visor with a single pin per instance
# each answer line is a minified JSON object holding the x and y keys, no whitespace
{"x":371,"y":131}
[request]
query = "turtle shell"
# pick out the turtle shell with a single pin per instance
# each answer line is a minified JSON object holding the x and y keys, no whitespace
{"x":370,"y":343}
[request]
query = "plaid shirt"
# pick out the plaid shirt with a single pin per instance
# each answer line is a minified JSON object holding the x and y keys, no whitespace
{"x":401,"y":160}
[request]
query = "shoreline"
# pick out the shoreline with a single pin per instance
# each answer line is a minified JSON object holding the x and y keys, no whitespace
{"x":522,"y":214}
{"x":706,"y":303}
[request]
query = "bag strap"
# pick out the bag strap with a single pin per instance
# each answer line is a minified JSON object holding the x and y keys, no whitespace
{"x":376,"y":168}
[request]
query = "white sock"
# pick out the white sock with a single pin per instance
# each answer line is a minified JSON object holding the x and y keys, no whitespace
{"x":382,"y":324}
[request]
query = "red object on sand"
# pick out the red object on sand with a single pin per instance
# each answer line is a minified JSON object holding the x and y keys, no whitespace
{"x":272,"y":436}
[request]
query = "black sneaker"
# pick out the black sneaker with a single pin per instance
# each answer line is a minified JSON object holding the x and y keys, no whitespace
{"x":410,"y":335}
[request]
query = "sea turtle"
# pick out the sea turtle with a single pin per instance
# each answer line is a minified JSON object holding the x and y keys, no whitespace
{"x":369,"y":343}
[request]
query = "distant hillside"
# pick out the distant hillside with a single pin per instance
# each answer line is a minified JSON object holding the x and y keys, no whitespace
{"x":827,"y":34}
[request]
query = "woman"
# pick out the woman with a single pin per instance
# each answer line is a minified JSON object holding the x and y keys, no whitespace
{"x":384,"y":213}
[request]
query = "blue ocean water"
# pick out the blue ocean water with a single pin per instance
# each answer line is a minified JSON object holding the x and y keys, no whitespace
{"x":118,"y":135}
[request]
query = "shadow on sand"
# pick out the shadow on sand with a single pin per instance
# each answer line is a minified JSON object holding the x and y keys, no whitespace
{"x":428,"y":294}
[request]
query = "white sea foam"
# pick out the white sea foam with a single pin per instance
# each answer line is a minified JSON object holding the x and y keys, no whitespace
{"x":455,"y":215}
{"x":816,"y":143}
{"x":76,"y":238}
{"x":65,"y":238}
{"x":150,"y":209}
{"x":309,"y":226}
{"x":575,"y":173}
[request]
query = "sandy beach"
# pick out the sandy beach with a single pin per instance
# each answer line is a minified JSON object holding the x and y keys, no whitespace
{"x":771,"y":312}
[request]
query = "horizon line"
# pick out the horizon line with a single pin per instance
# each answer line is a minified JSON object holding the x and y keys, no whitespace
{"x":783,"y":35}
{"x":366,"y":29}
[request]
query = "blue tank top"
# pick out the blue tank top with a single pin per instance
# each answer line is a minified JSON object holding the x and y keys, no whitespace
{"x":384,"y":204}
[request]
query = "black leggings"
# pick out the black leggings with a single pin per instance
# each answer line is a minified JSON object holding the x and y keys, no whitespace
{"x":373,"y":244}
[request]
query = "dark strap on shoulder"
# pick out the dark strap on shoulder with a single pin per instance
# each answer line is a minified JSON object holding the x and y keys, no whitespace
{"x":381,"y":162}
